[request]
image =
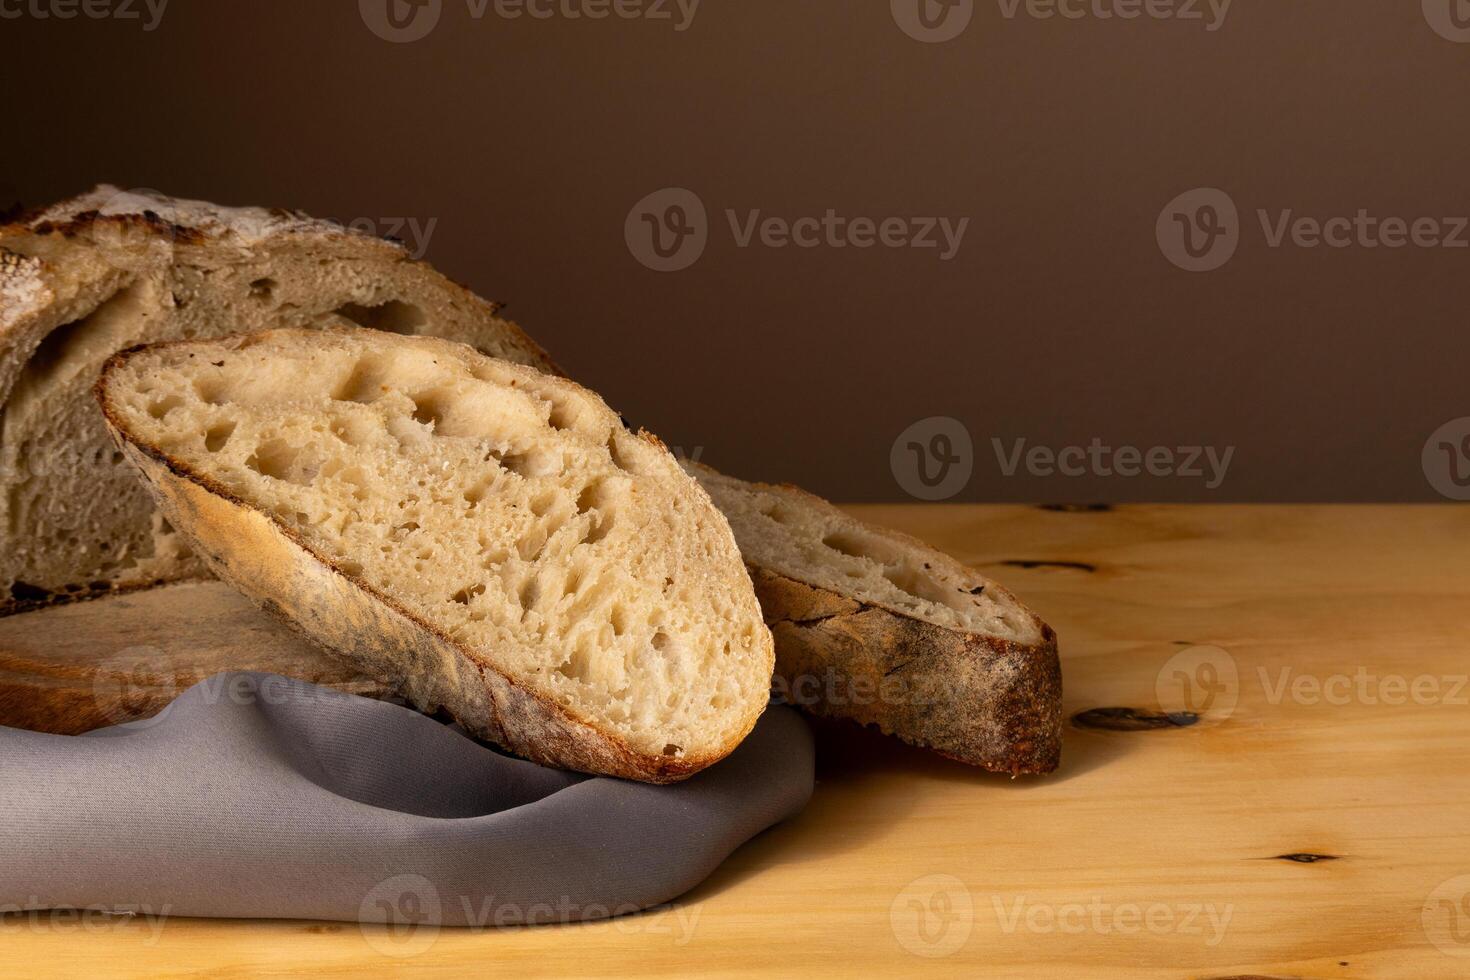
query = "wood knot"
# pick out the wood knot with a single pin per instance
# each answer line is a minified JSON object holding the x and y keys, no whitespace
{"x":1305,"y":858}
{"x":1132,"y":719}
{"x":1079,"y":566}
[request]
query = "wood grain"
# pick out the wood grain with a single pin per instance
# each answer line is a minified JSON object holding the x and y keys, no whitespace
{"x":1332,"y":835}
{"x":73,"y":668}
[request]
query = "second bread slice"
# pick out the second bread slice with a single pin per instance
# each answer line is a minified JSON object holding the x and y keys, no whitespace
{"x":488,"y":539}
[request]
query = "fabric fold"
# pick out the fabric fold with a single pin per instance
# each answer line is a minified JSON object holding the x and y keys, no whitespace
{"x":257,"y":796}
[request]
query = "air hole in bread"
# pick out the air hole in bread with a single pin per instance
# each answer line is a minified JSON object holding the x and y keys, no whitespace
{"x":478,"y":490}
{"x":364,"y":384}
{"x":578,"y":666}
{"x":918,"y":583}
{"x":211,"y":391}
{"x":429,"y":408}
{"x":470,"y":592}
{"x":264,"y":289}
{"x":280,"y":460}
{"x":160,"y":407}
{"x":394,"y":316}
{"x":543,"y":502}
{"x":531,"y":546}
{"x":620,"y":458}
{"x":533,"y":463}
{"x":856,"y":544}
{"x":781,"y":514}
{"x":590,"y":497}
{"x":563,"y":415}
{"x":353,"y":430}
{"x":217,"y":436}
{"x":529,"y":592}
{"x":602,"y":526}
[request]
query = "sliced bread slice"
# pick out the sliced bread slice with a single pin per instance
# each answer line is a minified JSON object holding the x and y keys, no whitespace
{"x":878,"y":627}
{"x":485,"y":538}
{"x":111,"y":269}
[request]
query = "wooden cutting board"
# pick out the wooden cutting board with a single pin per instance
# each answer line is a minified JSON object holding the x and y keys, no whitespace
{"x":74,"y":668}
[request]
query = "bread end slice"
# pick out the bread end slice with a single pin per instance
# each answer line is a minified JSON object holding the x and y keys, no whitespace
{"x":877,"y":627}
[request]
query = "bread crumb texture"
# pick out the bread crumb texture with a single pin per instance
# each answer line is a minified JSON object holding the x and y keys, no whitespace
{"x":508,"y":510}
{"x":805,"y":538}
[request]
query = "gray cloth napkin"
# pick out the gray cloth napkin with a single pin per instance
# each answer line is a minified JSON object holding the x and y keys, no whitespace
{"x":255,"y":796}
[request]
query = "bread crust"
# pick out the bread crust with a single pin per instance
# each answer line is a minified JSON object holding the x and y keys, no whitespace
{"x":976,"y":699}
{"x":271,"y":565}
{"x":179,"y":223}
{"x":62,"y":264}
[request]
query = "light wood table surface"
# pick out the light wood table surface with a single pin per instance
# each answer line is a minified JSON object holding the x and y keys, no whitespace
{"x":1328,"y":648}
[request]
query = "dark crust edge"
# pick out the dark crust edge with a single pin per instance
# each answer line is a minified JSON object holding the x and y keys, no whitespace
{"x":648,"y":768}
{"x":1015,"y":728}
{"x":28,"y":222}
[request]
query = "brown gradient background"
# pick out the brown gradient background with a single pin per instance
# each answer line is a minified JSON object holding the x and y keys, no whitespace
{"x":1059,"y":320}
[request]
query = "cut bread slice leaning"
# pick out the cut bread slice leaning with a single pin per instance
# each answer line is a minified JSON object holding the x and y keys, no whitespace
{"x":878,"y":627}
{"x":485,"y":538}
{"x":111,"y":269}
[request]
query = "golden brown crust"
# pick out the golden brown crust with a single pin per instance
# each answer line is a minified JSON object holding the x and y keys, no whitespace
{"x":270,"y":564}
{"x":972,"y":698}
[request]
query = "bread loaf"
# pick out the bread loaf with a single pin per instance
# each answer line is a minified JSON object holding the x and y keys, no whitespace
{"x":107,"y":270}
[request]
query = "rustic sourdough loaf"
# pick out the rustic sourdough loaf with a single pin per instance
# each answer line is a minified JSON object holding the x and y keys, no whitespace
{"x":483,"y":537}
{"x":110,"y":269}
{"x":878,"y":627}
